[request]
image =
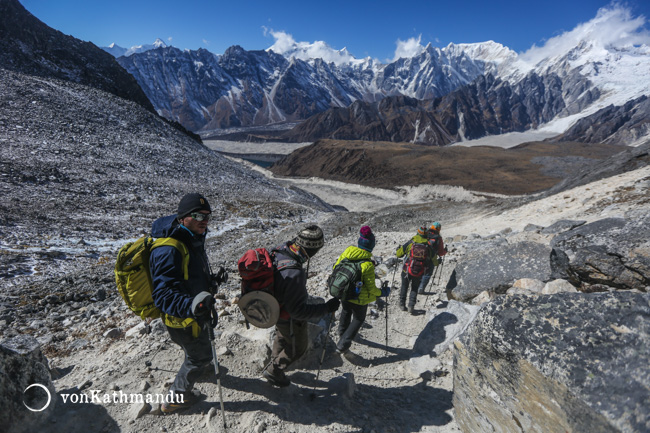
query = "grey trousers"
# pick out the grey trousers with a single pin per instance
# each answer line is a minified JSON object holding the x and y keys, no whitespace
{"x":287,"y":347}
{"x":413,"y":283}
{"x":198,"y":354}
{"x":350,"y":321}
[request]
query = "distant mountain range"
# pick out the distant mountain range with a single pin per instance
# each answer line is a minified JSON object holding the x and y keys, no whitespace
{"x":440,"y":96}
{"x":118,"y":51}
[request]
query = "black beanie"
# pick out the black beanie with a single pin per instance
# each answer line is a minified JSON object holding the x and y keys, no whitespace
{"x":310,"y":238}
{"x":190,"y":203}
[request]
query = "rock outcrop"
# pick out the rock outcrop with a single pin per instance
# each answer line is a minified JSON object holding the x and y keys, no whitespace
{"x":27,"y":395}
{"x":556,"y":363}
{"x":497,"y":269}
{"x":614,"y":252}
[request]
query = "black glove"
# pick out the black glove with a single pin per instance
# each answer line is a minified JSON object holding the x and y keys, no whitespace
{"x":332,"y":305}
{"x":202,"y":304}
{"x":221,"y":277}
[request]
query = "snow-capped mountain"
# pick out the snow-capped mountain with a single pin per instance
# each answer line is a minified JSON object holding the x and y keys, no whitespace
{"x":118,"y":51}
{"x":599,"y":63}
{"x":204,"y":91}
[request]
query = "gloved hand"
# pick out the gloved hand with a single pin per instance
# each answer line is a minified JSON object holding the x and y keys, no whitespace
{"x":333,"y":305}
{"x":385,"y":291}
{"x":221,"y":277}
{"x":202,"y":304}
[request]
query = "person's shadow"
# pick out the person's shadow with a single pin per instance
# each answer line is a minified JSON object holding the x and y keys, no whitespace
{"x":320,"y":403}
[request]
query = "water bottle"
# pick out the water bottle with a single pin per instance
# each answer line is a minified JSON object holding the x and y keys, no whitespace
{"x":357,"y":287}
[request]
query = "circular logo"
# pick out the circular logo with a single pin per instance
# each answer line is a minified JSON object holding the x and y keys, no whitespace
{"x":49,"y":397}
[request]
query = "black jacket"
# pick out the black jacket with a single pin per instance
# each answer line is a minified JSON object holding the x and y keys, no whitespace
{"x":290,"y":287}
{"x":171,"y":293}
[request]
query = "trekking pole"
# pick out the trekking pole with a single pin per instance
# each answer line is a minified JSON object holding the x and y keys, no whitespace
{"x":442,"y":263}
{"x":322,"y":356}
{"x":386,"y":307}
{"x":216,"y":370}
{"x":433,"y":278}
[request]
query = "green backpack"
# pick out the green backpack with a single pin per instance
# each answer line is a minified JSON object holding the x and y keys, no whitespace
{"x":133,"y":277}
{"x":345,"y":281}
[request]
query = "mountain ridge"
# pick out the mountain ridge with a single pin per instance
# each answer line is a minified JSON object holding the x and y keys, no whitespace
{"x":591,"y":68}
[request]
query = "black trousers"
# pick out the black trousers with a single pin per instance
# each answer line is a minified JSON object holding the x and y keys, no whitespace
{"x":198,"y":354}
{"x":350,"y":321}
{"x":413,"y":283}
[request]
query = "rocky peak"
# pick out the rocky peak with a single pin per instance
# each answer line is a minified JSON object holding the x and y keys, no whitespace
{"x":29,"y":46}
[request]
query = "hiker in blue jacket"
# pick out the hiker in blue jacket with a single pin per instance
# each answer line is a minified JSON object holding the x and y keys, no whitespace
{"x":186,"y":301}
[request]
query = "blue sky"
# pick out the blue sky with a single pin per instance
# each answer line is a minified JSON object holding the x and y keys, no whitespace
{"x":366,"y":28}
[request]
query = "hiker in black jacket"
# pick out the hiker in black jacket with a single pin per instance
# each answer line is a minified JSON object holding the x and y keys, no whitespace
{"x":186,"y":301}
{"x":290,"y":288}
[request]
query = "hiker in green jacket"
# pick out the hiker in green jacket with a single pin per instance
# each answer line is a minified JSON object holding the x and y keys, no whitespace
{"x":353,"y":312}
{"x":418,"y":255}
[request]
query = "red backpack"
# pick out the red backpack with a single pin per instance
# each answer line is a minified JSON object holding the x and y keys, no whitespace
{"x":415,"y":265}
{"x":256,"y":268}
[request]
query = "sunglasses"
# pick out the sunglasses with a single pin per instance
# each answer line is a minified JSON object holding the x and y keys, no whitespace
{"x":200,"y":216}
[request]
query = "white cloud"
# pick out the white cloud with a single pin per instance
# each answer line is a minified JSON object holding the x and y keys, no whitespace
{"x":613,"y":27}
{"x":408,"y":48}
{"x":169,"y":39}
{"x":206,"y":42}
{"x":287,"y":46}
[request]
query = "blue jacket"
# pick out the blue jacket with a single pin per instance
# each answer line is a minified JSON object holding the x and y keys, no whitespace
{"x":171,"y":293}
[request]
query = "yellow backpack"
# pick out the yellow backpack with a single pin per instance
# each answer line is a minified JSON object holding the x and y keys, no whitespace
{"x":133,"y":277}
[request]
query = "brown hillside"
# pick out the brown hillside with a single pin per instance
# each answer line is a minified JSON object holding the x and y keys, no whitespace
{"x":527,"y":168}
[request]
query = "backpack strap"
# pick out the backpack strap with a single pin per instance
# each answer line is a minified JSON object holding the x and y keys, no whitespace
{"x":181,"y":247}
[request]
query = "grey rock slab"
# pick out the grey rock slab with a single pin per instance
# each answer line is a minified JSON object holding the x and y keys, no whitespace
{"x":569,"y":362}
{"x":495,"y":270}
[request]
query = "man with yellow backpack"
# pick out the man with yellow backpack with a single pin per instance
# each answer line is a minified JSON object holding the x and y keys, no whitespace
{"x":182,"y":290}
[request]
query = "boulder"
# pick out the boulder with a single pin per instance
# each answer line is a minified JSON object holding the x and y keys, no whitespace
{"x":27,"y":395}
{"x":562,"y":226}
{"x":569,"y":362}
{"x":611,"y":251}
{"x":495,"y":270}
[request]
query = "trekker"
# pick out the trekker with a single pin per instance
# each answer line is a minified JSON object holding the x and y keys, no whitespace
{"x":438,"y":248}
{"x":353,"y":311}
{"x":186,"y":301}
{"x":418,"y":254}
{"x":290,"y":289}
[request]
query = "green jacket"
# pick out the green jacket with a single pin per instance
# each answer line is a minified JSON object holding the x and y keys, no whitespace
{"x":405,"y":249}
{"x":369,"y":292}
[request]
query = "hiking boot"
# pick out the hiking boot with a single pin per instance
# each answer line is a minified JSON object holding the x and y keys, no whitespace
{"x":276,"y":377}
{"x":341,"y":352}
{"x":410,"y":310}
{"x":189,"y":399}
{"x":420,"y":291}
{"x":402,"y":307}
